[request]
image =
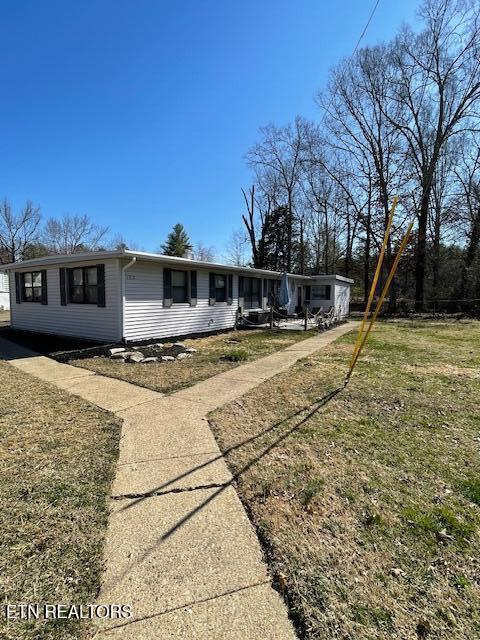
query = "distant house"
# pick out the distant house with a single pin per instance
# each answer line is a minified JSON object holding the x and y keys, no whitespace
{"x":4,"y":291}
{"x":133,"y":296}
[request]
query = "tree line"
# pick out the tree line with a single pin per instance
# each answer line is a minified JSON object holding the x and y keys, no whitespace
{"x":402,"y":118}
{"x":25,"y":235}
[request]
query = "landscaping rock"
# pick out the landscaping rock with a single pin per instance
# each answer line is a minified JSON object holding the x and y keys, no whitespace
{"x":182,"y":356}
{"x":135,"y":356}
{"x":179,"y":344}
{"x":150,"y":359}
{"x":137,"y":348}
{"x":190,"y":350}
{"x":168,"y":359}
{"x":119,"y":356}
{"x":115,"y":350}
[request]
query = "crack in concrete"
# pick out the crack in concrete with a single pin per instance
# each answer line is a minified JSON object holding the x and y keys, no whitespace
{"x":154,"y":493}
{"x":160,"y":459}
{"x":192,"y":603}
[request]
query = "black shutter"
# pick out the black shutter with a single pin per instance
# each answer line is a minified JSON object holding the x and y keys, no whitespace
{"x":193,"y":288}
{"x":308,"y":293}
{"x":44,"y":298}
{"x":211,"y":299}
{"x":240,"y":286}
{"x":63,"y":286}
{"x":167,"y":287}
{"x":230,"y":289}
{"x":328,"y":292}
{"x":100,"y":285}
{"x":18,"y":287}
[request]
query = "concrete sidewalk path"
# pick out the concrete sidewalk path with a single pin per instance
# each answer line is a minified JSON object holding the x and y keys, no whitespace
{"x":180,"y":548}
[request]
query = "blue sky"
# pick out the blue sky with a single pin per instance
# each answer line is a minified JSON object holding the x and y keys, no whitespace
{"x":139,"y":112}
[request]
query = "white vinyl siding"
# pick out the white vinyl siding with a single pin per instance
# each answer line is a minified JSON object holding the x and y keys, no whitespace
{"x":342,"y":298}
{"x":146,"y":317}
{"x":76,"y":320}
{"x":339,"y":295}
{"x":4,"y":295}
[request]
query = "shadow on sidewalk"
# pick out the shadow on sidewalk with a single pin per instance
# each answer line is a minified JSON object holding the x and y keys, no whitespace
{"x":304,"y":414}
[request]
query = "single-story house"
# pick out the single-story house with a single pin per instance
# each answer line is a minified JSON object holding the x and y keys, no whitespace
{"x":133,"y":296}
{"x":4,"y":294}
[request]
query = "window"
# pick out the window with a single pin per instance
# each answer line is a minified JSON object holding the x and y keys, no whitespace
{"x":32,"y":286}
{"x":179,"y":286}
{"x":322,"y":291}
{"x":270,"y":291}
{"x":220,"y":288}
{"x":251,"y":293}
{"x":83,"y":285}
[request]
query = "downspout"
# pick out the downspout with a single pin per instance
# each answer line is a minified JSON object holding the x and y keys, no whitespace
{"x":124,"y":268}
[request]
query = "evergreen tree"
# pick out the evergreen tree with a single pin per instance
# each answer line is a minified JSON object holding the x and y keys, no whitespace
{"x":178,"y":242}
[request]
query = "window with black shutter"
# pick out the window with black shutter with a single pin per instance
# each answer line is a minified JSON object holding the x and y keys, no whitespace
{"x":86,"y":285}
{"x":252,"y":292}
{"x":32,"y":286}
{"x":220,"y":288}
{"x":179,"y":286}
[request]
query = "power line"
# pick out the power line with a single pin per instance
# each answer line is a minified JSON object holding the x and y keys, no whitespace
{"x":366,"y":27}
{"x":370,"y":18}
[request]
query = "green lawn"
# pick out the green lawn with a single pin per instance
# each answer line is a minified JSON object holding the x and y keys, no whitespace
{"x":368,"y":507}
{"x":214,"y":354}
{"x":57,"y":460}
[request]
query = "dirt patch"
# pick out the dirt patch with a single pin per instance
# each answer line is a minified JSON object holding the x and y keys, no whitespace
{"x":446,"y":370}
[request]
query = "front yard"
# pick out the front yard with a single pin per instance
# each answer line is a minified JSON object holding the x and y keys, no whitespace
{"x":214,"y":354}
{"x":368,"y":507}
{"x":57,"y":459}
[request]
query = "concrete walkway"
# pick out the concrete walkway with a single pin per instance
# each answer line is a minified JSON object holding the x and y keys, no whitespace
{"x":180,"y":548}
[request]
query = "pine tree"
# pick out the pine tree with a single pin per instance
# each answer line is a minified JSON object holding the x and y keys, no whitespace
{"x":178,"y":242}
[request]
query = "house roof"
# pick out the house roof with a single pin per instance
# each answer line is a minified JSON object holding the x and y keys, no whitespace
{"x":95,"y":256}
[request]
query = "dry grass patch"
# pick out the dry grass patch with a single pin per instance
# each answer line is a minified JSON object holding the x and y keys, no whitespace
{"x":368,"y":507}
{"x":214,"y":355}
{"x":57,"y":459}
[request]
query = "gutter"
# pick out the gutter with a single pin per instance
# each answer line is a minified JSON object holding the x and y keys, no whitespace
{"x":122,"y":307}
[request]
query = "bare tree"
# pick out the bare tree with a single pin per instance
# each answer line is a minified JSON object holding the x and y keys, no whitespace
{"x":250,"y":223}
{"x":203,"y":253}
{"x":436,"y":85}
{"x":73,"y":234}
{"x":118,"y":243}
{"x":17,"y":231}
{"x":367,"y":145}
{"x":236,"y":249}
{"x":468,"y":175}
{"x":277,"y":163}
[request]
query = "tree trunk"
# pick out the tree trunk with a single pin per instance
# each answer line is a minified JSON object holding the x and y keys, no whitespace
{"x":436,"y":251}
{"x":302,"y":249}
{"x":421,"y":251}
{"x":348,"y":252}
{"x":366,"y":262}
{"x":327,"y":238}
